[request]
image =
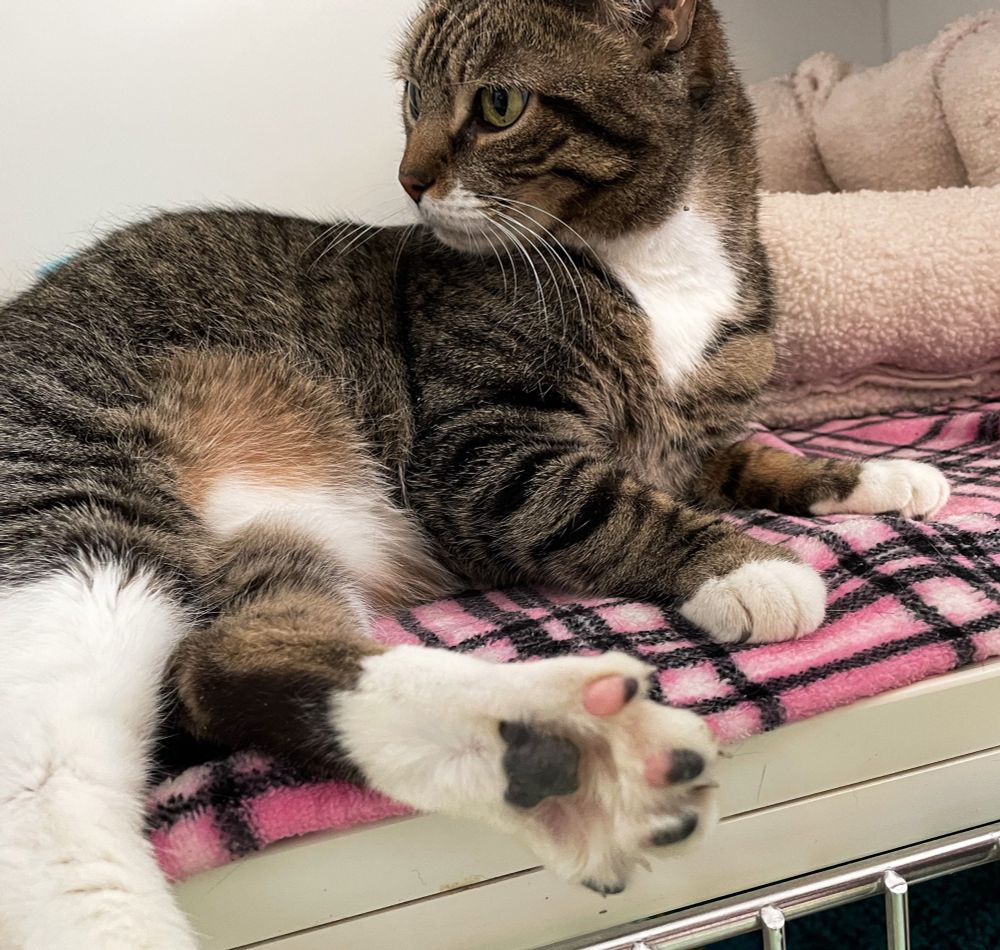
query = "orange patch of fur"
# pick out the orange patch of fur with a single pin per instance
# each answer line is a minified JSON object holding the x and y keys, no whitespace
{"x":256,"y":417}
{"x":222,"y":414}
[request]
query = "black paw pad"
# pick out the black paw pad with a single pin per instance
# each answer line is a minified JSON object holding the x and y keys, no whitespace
{"x":685,"y":765}
{"x":678,"y":830}
{"x":605,"y":889}
{"x":538,"y":766}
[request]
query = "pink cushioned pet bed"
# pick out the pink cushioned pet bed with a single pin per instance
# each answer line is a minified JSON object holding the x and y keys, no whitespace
{"x":907,"y":601}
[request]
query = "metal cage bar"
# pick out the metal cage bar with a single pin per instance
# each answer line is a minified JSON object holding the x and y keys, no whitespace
{"x":772,"y":923}
{"x":897,"y":911}
{"x":767,"y":909}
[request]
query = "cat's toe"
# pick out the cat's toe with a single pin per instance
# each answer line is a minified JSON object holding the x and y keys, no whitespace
{"x":614,"y":885}
{"x":673,"y":829}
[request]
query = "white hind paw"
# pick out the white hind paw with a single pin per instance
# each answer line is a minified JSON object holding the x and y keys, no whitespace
{"x":760,"y":602}
{"x":566,"y":753}
{"x":914,"y":489}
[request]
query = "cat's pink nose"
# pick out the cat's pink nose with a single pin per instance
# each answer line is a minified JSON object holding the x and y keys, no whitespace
{"x":415,"y":183}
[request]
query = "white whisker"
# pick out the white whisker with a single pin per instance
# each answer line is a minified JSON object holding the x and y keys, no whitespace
{"x":554,"y":217}
{"x":541,"y":249}
{"x":346,"y":230}
{"x":404,"y":238}
{"x":342,"y":224}
{"x":496,"y":254}
{"x":531,"y":243}
{"x":562,"y":256}
{"x":354,"y":235}
{"x":519,"y":244}
{"x":558,"y":251}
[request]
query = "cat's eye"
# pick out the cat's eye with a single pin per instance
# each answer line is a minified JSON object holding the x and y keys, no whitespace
{"x":413,"y":98}
{"x":502,"y":106}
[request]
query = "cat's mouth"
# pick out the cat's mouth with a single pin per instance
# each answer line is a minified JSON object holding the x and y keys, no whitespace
{"x":462,"y":224}
{"x":478,"y":228}
{"x":472,"y":237}
{"x":477,"y":223}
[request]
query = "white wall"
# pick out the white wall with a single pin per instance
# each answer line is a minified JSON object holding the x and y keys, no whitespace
{"x":109,"y":107}
{"x":912,"y":23}
{"x":112,"y":107}
{"x":770,"y":37}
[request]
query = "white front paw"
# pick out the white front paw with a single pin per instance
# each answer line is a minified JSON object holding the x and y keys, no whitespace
{"x":760,"y":602}
{"x":914,"y":489}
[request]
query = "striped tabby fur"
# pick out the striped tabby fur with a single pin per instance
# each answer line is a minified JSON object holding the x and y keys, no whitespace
{"x":271,"y":427}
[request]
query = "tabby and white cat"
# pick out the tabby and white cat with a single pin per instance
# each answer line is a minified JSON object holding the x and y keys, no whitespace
{"x":224,"y":447}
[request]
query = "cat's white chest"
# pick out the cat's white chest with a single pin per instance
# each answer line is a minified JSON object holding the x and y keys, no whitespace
{"x":681,"y":277}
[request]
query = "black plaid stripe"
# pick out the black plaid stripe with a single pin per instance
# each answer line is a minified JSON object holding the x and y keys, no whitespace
{"x":228,"y":792}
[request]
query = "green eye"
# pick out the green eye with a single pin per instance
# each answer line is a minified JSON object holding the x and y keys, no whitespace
{"x":413,"y":98}
{"x":502,"y":107}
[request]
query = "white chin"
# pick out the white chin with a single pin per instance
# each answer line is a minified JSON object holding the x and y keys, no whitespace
{"x":460,"y":239}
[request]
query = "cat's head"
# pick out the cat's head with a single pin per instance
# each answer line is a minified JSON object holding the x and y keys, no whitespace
{"x":589,"y":118}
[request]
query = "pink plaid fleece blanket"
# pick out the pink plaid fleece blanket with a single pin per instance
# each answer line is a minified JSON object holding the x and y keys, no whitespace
{"x":908,"y":600}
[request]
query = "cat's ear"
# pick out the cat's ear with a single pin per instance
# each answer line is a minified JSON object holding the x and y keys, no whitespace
{"x":667,"y":23}
{"x":664,"y":25}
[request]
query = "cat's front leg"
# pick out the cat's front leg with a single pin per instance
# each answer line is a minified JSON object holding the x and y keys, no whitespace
{"x":757,"y":476}
{"x":548,"y":507}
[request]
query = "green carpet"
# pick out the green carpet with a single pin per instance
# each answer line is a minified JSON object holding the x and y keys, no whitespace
{"x":958,"y":912}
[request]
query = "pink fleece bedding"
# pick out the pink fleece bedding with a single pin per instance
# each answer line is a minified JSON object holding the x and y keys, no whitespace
{"x":907,"y":601}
